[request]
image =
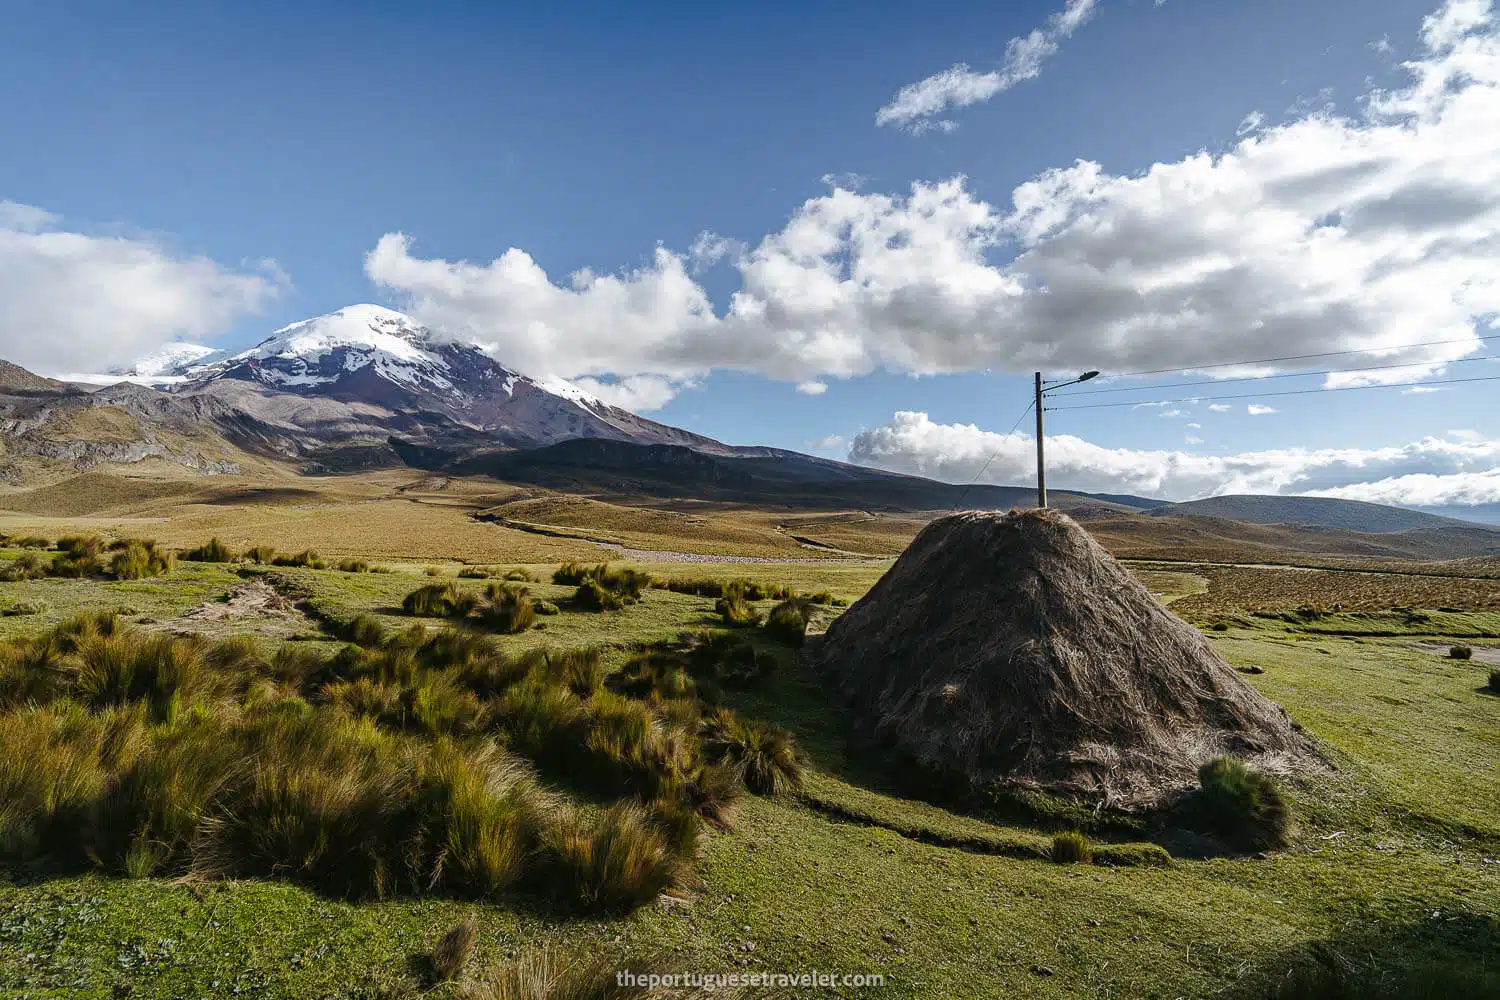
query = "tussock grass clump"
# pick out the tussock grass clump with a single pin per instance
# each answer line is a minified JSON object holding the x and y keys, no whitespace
{"x":736,"y":611}
{"x":362,"y":630}
{"x":1494,"y":682}
{"x":261,"y":555}
{"x":1460,"y":653}
{"x":1071,"y":848}
{"x":546,"y":608}
{"x":570,"y":574}
{"x":28,"y":566}
{"x":549,"y":975}
{"x":1243,"y":808}
{"x":601,"y":588}
{"x":617,"y":863}
{"x":354,"y":566}
{"x":211,"y":551}
{"x":507,"y":608}
{"x":581,"y":671}
{"x":787,"y":622}
{"x":136,"y":559}
{"x":437,"y":600}
{"x":78,"y":556}
{"x":362,"y":773}
{"x":21,"y":608}
{"x":748,"y":590}
{"x":663,"y":674}
{"x":763,"y":757}
{"x":727,"y":658}
{"x":32,"y":542}
{"x":453,"y":950}
{"x":307,"y":559}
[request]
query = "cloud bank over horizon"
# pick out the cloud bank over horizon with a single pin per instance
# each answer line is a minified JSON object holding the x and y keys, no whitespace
{"x":71,"y":301}
{"x":1462,"y":469}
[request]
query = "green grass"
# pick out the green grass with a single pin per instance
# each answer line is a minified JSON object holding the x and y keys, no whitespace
{"x":843,"y":875}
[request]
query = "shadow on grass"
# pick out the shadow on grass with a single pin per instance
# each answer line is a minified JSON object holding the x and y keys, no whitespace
{"x":1442,"y":955}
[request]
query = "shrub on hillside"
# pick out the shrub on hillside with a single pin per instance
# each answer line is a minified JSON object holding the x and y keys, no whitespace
{"x":1071,"y":848}
{"x":1243,"y":808}
{"x":763,"y":757}
{"x":1460,"y":653}
{"x":1494,"y":683}
{"x":211,"y":551}
{"x":787,"y":622}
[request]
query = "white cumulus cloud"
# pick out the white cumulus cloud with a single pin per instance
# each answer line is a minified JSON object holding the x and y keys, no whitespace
{"x":812,"y":388}
{"x":1426,"y":472}
{"x":72,"y":301}
{"x":917,"y":106}
{"x":1256,"y":410}
{"x":636,"y":393}
{"x":1367,"y":233}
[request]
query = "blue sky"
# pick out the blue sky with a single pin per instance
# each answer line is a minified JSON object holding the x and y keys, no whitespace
{"x":199,"y":138}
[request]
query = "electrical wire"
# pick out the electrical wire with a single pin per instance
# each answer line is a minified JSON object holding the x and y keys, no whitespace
{"x":1283,"y":392}
{"x":1263,"y":378}
{"x":1304,"y":357}
{"x":994,"y":455}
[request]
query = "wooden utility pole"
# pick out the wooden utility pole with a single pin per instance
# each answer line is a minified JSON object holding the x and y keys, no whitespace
{"x":1041,"y":454}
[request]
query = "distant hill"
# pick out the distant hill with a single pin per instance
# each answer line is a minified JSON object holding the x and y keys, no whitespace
{"x":1150,"y":535}
{"x":1480,"y":513}
{"x":762,"y":475}
{"x":1320,"y":512}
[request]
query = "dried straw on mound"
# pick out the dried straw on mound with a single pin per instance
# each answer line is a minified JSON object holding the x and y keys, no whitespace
{"x":1011,"y":651}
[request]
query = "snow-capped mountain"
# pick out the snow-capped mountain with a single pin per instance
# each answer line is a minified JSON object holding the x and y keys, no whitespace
{"x":325,"y":350}
{"x":367,"y":385}
{"x":366,"y":377}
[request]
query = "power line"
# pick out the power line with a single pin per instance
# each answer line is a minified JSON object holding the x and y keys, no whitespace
{"x":1283,"y":392}
{"x":1263,"y":378}
{"x":994,"y":455}
{"x":1304,"y":357}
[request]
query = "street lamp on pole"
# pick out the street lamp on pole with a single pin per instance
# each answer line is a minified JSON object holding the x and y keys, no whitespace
{"x":1042,"y":388}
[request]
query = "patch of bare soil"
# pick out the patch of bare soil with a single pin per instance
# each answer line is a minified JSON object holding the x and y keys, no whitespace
{"x":250,"y":600}
{"x":1489,"y":655}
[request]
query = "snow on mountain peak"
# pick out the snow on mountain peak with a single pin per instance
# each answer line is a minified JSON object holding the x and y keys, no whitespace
{"x":391,"y":343}
{"x":171,"y":359}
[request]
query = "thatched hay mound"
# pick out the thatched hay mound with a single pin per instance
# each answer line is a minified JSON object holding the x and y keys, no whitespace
{"x":1011,"y":651}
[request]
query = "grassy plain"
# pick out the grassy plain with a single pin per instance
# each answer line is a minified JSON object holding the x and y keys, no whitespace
{"x":1396,"y":860}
